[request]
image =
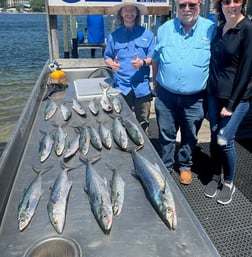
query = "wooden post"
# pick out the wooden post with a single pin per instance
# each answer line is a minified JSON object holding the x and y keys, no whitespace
{"x":74,"y":36}
{"x":65,"y":30}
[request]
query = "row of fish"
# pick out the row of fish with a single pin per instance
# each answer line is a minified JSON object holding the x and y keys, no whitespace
{"x":98,"y":138}
{"x":107,"y":105}
{"x":103,"y":204}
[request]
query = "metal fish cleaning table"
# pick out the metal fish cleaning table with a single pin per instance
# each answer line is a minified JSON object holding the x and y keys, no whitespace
{"x":138,"y":231}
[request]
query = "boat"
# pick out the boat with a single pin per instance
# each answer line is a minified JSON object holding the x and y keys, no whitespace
{"x":139,"y":231}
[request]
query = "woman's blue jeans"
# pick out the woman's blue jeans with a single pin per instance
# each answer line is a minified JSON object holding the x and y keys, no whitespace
{"x":174,"y":112}
{"x":223,"y":130}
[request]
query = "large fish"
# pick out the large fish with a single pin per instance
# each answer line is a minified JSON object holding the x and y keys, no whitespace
{"x":105,"y":102}
{"x":57,"y":204}
{"x":66,"y":112}
{"x":157,"y":188}
{"x":95,"y":138}
{"x":117,"y":191}
{"x":117,"y":104}
{"x":73,"y":146}
{"x":59,"y":140}
{"x":84,"y":140}
{"x":93,"y":107}
{"x":119,"y":134}
{"x":30,"y":200}
{"x":133,"y":131}
{"x":50,"y":109}
{"x":106,"y":136}
{"x":78,"y":108}
{"x":45,"y":146}
{"x":99,"y":198}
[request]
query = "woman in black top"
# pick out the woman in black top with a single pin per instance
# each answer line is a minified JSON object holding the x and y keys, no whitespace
{"x":229,"y":92}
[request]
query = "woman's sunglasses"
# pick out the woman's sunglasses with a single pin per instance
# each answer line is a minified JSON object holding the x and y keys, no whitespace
{"x":228,"y":2}
{"x":190,"y":5}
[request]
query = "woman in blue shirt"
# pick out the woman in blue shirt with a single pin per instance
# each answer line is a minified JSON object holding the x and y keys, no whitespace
{"x":128,"y":52}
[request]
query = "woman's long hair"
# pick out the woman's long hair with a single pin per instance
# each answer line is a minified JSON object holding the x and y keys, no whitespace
{"x":219,"y":13}
{"x":120,"y":18}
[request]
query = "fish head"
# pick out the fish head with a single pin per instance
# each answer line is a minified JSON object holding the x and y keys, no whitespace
{"x":58,"y":220}
{"x":23,"y":220}
{"x":106,"y":215}
{"x":169,"y":212}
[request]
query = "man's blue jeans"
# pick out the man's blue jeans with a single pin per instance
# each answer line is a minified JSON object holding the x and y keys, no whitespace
{"x":174,"y":111}
{"x":223,"y":130}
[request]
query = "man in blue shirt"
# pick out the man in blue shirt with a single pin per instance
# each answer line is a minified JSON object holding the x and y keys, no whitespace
{"x":180,"y":72}
{"x":128,"y":52}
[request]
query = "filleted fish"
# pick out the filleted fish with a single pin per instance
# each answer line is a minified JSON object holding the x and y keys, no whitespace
{"x":30,"y":200}
{"x":134,"y":131}
{"x":157,"y":188}
{"x":78,"y":108}
{"x":119,"y":134}
{"x":57,"y":204}
{"x":117,"y":191}
{"x":50,"y":109}
{"x":105,"y":102}
{"x":45,"y":146}
{"x":99,"y":197}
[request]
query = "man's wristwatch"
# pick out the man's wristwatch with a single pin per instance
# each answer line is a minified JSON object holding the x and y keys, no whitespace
{"x":144,"y":62}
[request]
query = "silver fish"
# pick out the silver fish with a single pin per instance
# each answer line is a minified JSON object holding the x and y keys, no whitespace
{"x":133,"y":131}
{"x":73,"y":147}
{"x":157,"y":188}
{"x":50,"y":109}
{"x":93,"y":107}
{"x":95,"y":138}
{"x":84,"y":140}
{"x":99,"y":197}
{"x":117,"y":104}
{"x":78,"y":108}
{"x":66,"y":112}
{"x":45,"y":146}
{"x":105,"y":102}
{"x":117,"y":191}
{"x":30,"y":200}
{"x":57,"y":204}
{"x":119,"y":134}
{"x":106,"y":136}
{"x":59,"y":141}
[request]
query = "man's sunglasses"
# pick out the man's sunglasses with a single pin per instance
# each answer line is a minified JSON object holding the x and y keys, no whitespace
{"x":190,"y":5}
{"x":228,"y":2}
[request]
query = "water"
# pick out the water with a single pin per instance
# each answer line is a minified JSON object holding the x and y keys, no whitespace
{"x":23,"y":53}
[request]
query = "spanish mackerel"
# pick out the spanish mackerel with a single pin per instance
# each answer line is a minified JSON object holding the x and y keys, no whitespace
{"x":133,"y":131}
{"x":99,"y":197}
{"x":57,"y":204}
{"x":157,"y":188}
{"x":78,"y":108}
{"x":117,"y":191}
{"x":45,"y":146}
{"x":30,"y":200}
{"x":105,"y":102}
{"x":120,"y":134}
{"x":50,"y":109}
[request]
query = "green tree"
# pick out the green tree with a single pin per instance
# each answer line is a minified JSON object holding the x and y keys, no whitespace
{"x":37,"y":5}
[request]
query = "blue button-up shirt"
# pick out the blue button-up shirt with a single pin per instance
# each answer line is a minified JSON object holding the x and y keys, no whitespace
{"x":124,"y":44}
{"x":184,"y":59}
